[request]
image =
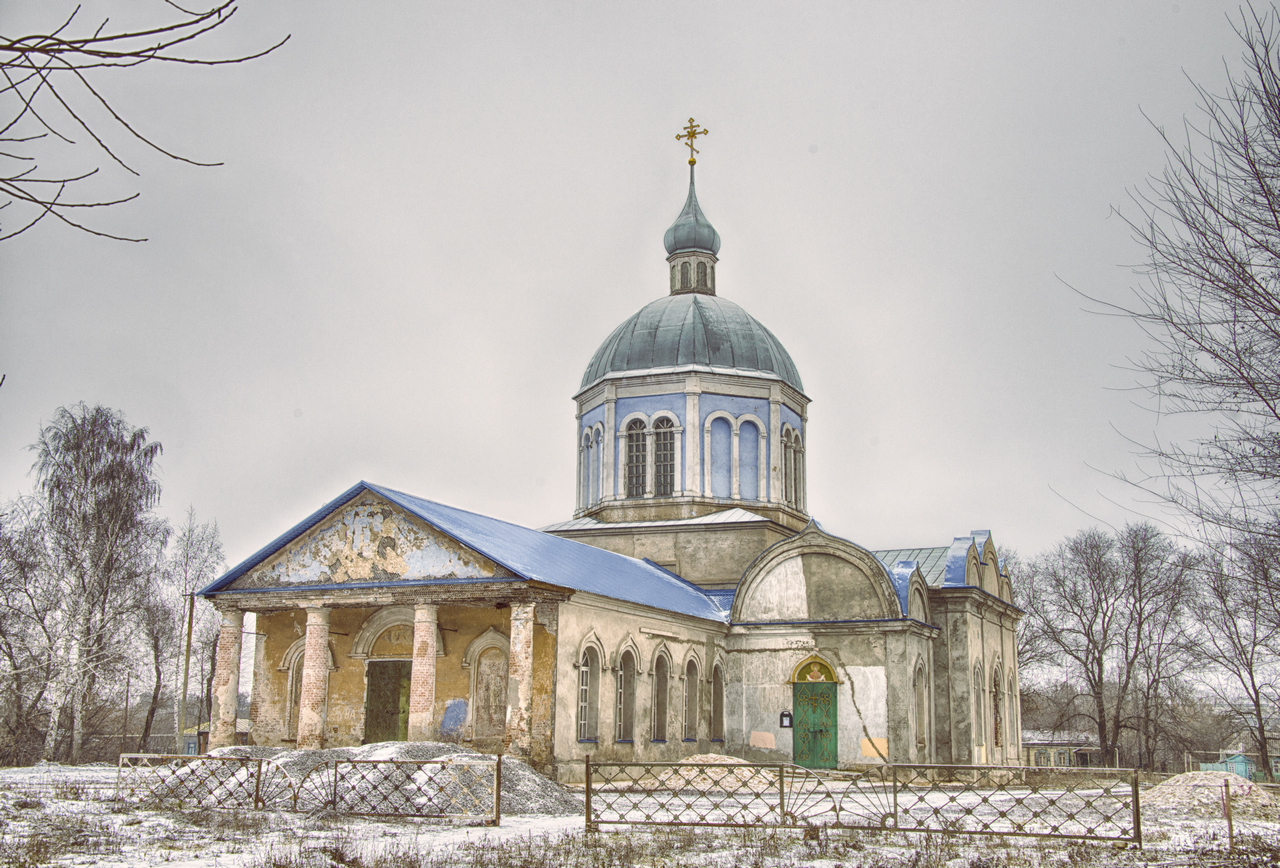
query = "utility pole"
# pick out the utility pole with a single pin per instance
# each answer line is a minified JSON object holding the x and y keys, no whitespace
{"x":179,"y":746}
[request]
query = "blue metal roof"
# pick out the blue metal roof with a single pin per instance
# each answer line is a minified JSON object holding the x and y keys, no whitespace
{"x":900,"y":573}
{"x":529,"y":554}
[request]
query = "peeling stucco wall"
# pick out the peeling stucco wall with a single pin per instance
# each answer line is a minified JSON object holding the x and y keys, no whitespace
{"x":369,"y":541}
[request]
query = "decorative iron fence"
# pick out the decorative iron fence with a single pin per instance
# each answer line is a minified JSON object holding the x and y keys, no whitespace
{"x":452,"y":789}
{"x":974,"y":800}
{"x":746,"y":794}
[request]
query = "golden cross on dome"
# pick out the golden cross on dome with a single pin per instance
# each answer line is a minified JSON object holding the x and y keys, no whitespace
{"x":691,"y":132}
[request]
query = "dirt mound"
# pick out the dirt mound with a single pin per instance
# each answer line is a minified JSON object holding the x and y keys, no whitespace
{"x":524,"y":791}
{"x":1199,"y":794}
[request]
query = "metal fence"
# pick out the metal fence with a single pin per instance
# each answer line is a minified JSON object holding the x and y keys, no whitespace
{"x":973,"y":800}
{"x":453,"y":789}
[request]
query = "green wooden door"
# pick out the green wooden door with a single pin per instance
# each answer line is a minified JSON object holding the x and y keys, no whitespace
{"x":814,"y":736}
{"x":386,"y":708}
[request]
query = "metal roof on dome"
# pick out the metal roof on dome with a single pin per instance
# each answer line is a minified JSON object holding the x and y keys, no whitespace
{"x":692,"y":230}
{"x":692,"y":330}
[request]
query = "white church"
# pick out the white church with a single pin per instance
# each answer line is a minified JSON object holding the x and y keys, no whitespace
{"x":691,"y":604}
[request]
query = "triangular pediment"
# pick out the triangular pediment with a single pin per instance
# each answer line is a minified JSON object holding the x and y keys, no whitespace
{"x":368,"y":540}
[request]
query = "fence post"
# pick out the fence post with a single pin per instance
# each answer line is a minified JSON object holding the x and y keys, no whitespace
{"x":590,"y":827}
{"x":257,"y":787}
{"x":895,"y":795}
{"x":497,"y":791}
{"x":1226,"y":809}
{"x":782,"y":795}
{"x":1137,"y":812}
{"x":335,"y":787}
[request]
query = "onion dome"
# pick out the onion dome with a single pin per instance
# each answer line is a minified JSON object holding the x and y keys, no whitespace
{"x":692,"y":230}
{"x":692,"y":331}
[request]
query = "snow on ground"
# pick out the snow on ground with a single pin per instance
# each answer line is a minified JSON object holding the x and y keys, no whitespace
{"x":51,"y":814}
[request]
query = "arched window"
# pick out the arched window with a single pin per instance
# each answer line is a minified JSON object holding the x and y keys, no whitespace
{"x":664,"y":458}
{"x":685,"y":283}
{"x":675,"y":281}
{"x":748,"y":461}
{"x":295,"y":696}
{"x":660,"y":675}
{"x":691,"y":701}
{"x":588,"y":695}
{"x":717,"y":704}
{"x":635,"y":458}
{"x":979,"y":725}
{"x":626,"y":712}
{"x":702,"y":275}
{"x":922,"y":715}
{"x":721,"y":457}
{"x":997,"y":711}
{"x":584,"y":498}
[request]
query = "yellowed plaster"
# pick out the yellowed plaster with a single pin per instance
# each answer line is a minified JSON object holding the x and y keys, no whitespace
{"x":369,"y":540}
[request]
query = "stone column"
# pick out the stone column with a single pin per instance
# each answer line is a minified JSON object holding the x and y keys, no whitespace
{"x":422,"y":677}
{"x":226,"y":680}
{"x":314,"y":705}
{"x":692,"y":437}
{"x":520,"y":681}
{"x":608,"y":485}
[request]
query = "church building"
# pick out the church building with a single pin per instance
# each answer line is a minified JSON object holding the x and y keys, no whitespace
{"x":691,"y":604}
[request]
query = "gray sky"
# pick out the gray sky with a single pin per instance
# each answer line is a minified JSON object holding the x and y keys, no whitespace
{"x":431,"y":214}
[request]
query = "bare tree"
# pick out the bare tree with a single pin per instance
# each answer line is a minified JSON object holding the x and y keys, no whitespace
{"x":50,"y":92}
{"x":1103,"y":601}
{"x":195,"y":560}
{"x":1238,"y":638}
{"x":95,"y":490}
{"x":1210,"y":303}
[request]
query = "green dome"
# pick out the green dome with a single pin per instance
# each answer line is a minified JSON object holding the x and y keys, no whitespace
{"x":692,"y":230}
{"x":692,"y":330}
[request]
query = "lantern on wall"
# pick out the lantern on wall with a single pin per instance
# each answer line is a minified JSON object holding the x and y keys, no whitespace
{"x":784,"y":720}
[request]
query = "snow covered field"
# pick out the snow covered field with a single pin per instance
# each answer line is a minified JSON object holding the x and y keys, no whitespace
{"x":64,"y":815}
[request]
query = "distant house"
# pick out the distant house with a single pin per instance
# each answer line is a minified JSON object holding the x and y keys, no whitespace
{"x":195,"y":740}
{"x":1237,"y":763}
{"x":1048,"y":749}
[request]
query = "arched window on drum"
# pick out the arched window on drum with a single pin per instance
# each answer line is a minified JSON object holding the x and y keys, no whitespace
{"x":636,"y":458}
{"x":664,"y":458}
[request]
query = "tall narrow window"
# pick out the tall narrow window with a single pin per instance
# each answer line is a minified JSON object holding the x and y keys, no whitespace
{"x":1011,"y":717}
{"x":978,"y":723}
{"x":702,"y":275}
{"x":788,"y":469}
{"x":588,"y":695}
{"x":691,"y":702}
{"x":635,"y":459}
{"x":717,"y":704}
{"x":997,"y":713}
{"x":664,"y":458}
{"x":675,"y":284}
{"x":660,"y":674}
{"x":685,"y":283}
{"x":626,"y":712}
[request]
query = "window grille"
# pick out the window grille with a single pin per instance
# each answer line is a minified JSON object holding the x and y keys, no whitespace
{"x":635,"y":459}
{"x":588,"y":685}
{"x":626,"y":697}
{"x":664,"y":458}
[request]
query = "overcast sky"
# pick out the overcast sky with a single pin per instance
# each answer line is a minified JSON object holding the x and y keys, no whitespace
{"x":431,"y":214}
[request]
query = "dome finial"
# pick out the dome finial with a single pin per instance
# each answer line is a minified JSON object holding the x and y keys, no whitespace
{"x":691,"y":132}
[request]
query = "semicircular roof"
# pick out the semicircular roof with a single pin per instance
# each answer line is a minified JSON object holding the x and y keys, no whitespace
{"x":692,"y":330}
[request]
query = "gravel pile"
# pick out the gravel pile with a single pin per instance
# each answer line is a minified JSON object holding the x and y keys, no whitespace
{"x":524,"y":791}
{"x":1199,"y":794}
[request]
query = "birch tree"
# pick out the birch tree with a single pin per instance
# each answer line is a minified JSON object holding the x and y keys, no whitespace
{"x":95,"y":490}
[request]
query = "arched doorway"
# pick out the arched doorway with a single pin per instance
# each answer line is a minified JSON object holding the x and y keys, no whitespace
{"x":815,"y":715}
